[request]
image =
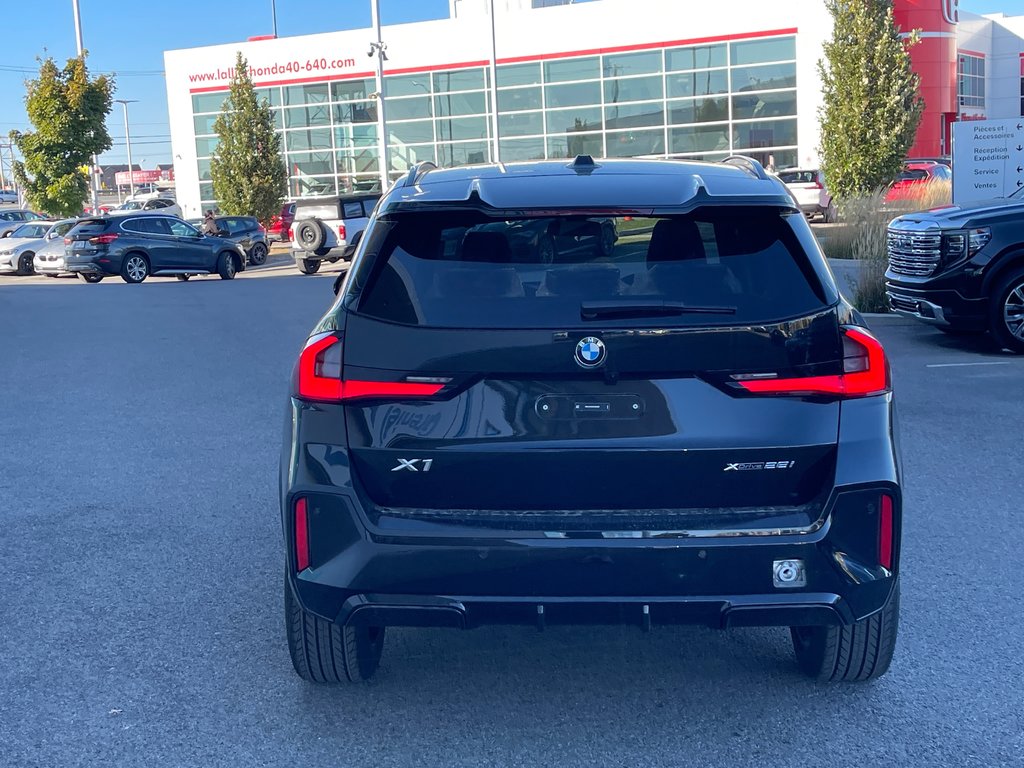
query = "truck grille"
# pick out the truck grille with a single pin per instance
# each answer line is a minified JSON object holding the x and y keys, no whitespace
{"x":913,"y":253}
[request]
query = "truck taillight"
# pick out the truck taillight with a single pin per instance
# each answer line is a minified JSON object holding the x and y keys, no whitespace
{"x":320,"y":377}
{"x":865,"y":372}
{"x":341,"y":232}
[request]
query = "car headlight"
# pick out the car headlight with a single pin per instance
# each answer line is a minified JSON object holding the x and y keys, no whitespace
{"x":965,"y":243}
{"x":7,"y":253}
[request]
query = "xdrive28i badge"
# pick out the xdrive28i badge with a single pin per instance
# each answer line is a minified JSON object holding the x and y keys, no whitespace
{"x":590,"y":352}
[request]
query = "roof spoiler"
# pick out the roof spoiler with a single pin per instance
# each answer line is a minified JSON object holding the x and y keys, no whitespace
{"x":749,"y":164}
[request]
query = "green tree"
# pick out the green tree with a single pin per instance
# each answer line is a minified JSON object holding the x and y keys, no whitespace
{"x":249,"y":176}
{"x":871,"y":107}
{"x":68,"y":110}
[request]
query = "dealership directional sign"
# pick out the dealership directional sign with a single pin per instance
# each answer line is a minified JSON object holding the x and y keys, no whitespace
{"x":988,"y":159}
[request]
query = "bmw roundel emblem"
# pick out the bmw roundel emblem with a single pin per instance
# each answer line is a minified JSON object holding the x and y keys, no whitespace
{"x":590,"y":352}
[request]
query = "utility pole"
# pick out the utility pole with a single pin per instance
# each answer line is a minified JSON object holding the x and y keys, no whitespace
{"x":128,"y":140}
{"x":81,"y":52}
{"x":495,"y":155}
{"x":377,"y":49}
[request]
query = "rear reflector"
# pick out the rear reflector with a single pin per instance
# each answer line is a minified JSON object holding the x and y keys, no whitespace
{"x":301,"y":536}
{"x":865,"y":372}
{"x":320,"y":377}
{"x":885,"y":533}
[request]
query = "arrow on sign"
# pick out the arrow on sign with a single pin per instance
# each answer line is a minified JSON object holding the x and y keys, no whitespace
{"x":1020,"y":183}
{"x":1019,"y":169}
{"x":1019,"y":126}
{"x":1019,"y":147}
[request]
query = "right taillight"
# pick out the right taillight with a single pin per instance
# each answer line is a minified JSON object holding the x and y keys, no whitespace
{"x":865,"y":372}
{"x":320,"y":377}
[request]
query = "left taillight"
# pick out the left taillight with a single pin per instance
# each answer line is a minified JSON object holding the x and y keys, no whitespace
{"x":865,"y":373}
{"x":321,"y":377}
{"x":104,"y":239}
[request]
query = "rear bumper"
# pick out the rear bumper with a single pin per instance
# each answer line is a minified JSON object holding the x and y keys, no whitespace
{"x":85,"y":268}
{"x":360,"y":575}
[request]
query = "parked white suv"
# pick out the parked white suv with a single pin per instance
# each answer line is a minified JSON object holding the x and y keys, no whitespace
{"x":329,"y":228}
{"x":808,"y":186}
{"x":164,"y":205}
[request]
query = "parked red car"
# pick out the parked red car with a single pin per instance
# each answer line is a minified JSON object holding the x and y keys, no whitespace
{"x":281,"y":224}
{"x":910,"y":184}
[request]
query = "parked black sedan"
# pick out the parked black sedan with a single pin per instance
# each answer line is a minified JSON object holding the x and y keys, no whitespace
{"x":245,"y":231}
{"x":136,"y":247}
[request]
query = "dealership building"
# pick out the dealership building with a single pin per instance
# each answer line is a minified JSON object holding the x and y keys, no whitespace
{"x":609,"y":78}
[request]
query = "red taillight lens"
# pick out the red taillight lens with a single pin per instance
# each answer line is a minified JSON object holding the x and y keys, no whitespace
{"x":320,"y":377}
{"x":301,"y":536}
{"x":865,"y":372}
{"x":68,"y":241}
{"x":341,"y":232}
{"x":104,"y":239}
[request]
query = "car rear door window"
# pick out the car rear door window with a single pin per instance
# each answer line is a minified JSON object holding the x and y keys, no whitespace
{"x":352,"y":210}
{"x":468,"y":271}
{"x":180,"y":228}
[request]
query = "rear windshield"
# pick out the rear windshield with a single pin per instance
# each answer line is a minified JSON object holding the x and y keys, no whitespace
{"x":912,"y":176}
{"x":462,"y":270}
{"x":798,"y":177}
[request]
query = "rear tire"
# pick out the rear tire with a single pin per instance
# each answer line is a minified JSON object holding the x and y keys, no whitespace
{"x":89,"y":277}
{"x":854,"y":653}
{"x":323,"y":652}
{"x":183,"y":278}
{"x":226,"y":267}
{"x":134,"y":268}
{"x":258,"y":255}
{"x":308,"y":266}
{"x":1006,"y":312}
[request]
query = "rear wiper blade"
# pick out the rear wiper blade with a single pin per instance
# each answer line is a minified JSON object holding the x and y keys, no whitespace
{"x":597,"y":310}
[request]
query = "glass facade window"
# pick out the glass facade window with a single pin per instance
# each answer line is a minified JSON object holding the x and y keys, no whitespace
{"x":634,"y":115}
{"x":701,"y":83}
{"x":516,"y":99}
{"x":575,"y":119}
{"x":696,"y":57}
{"x":971,"y":80}
{"x":643,"y":63}
{"x":633,"y":89}
{"x":563,"y":70}
{"x":573,"y":94}
{"x":311,"y":93}
{"x":699,"y":101}
{"x":762,"y":50}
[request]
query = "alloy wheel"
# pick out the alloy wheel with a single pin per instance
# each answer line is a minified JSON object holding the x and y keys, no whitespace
{"x":137,"y":269}
{"x":1013,"y":311}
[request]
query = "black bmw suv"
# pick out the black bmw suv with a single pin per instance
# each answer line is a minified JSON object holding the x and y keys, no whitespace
{"x":139,"y":246}
{"x":691,"y":426}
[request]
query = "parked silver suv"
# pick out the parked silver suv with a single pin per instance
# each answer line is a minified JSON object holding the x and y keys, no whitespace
{"x":329,"y":228}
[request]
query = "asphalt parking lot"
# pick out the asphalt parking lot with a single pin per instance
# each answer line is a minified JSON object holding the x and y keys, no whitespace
{"x":141,"y":587}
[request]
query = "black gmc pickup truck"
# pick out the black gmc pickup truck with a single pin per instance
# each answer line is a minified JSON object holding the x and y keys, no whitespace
{"x":961,"y":268}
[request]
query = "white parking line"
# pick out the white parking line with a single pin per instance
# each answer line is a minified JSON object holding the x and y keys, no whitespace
{"x":966,"y":365}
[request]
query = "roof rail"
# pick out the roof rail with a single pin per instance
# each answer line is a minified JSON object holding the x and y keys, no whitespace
{"x":418,"y":171}
{"x":749,"y":164}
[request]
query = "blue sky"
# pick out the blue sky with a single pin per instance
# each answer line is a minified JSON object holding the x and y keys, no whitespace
{"x":130,"y":36}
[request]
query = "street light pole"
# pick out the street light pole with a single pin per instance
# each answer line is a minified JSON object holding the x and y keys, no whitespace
{"x":377,"y":48}
{"x":128,"y":139}
{"x":81,"y":52}
{"x":496,"y":156}
{"x":273,"y":15}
